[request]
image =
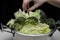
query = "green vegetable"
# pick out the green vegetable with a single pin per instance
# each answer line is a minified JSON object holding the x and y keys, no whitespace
{"x":35,"y":29}
{"x":18,"y":26}
{"x":21,"y":14}
{"x":50,"y":21}
{"x":35,"y":14}
{"x":11,"y":23}
{"x":43,"y":15}
{"x":20,"y":20}
{"x":31,"y":23}
{"x":32,"y":20}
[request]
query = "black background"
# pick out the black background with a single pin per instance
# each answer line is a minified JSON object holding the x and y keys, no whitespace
{"x":8,"y":7}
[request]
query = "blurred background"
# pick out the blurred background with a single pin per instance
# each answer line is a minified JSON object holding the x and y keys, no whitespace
{"x":9,"y":7}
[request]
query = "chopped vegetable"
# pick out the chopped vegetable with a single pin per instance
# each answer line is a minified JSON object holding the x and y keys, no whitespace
{"x":35,"y":14}
{"x":31,"y":23}
{"x":20,"y":20}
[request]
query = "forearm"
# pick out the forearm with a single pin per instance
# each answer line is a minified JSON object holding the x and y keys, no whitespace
{"x":54,"y":2}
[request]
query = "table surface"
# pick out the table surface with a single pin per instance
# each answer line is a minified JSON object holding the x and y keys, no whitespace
{"x":56,"y":35}
{"x":7,"y":36}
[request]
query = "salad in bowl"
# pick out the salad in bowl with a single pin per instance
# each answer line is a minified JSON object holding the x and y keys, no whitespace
{"x":32,"y":23}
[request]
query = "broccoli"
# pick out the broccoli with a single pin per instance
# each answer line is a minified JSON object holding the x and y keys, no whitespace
{"x":32,"y":20}
{"x":20,"y":20}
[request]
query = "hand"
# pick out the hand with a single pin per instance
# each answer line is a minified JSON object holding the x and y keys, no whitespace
{"x":25,"y":4}
{"x":37,"y":3}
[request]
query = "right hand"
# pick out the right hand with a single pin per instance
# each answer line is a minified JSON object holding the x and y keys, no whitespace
{"x":25,"y":4}
{"x":37,"y":3}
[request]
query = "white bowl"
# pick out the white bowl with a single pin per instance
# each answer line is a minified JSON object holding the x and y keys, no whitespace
{"x":21,"y":36}
{"x":32,"y":34}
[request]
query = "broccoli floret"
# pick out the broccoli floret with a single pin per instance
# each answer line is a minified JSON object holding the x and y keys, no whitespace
{"x":43,"y":15}
{"x":50,"y":21}
{"x":32,"y":20}
{"x":20,"y":20}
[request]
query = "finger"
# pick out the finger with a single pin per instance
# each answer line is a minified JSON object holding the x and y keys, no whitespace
{"x":34,"y":7}
{"x":28,"y":6}
{"x":25,"y":4}
{"x":37,"y":4}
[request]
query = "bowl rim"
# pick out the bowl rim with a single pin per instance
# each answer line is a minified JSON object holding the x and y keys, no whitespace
{"x":33,"y":35}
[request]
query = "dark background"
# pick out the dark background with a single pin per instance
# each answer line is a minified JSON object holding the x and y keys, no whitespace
{"x":8,"y":7}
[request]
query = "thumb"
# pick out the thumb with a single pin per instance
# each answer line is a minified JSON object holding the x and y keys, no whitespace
{"x":36,"y":5}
